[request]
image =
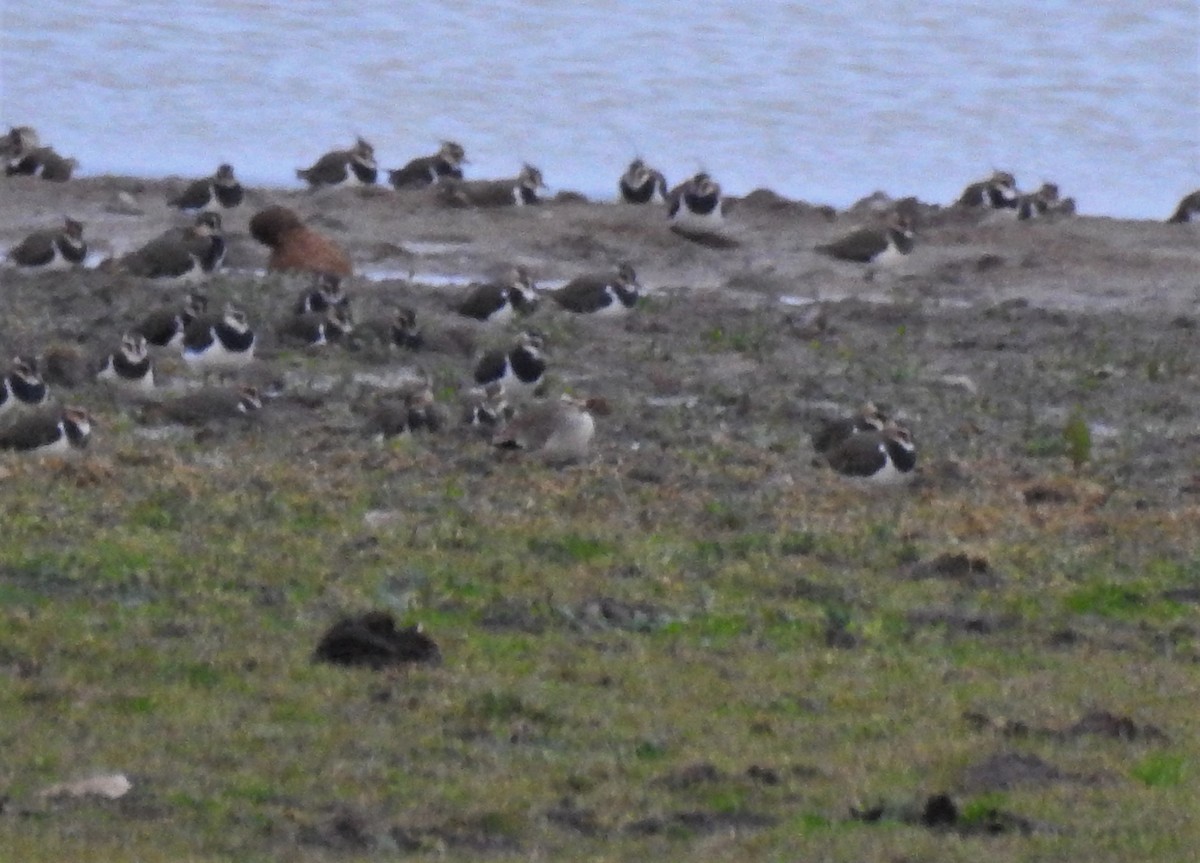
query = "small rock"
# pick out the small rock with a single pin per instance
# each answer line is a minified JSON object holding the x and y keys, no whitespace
{"x":110,"y":786}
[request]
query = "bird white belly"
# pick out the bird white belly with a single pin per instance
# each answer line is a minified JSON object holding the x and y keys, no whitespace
{"x":686,"y":219}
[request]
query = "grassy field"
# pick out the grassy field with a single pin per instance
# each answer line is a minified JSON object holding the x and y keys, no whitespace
{"x":699,"y":662}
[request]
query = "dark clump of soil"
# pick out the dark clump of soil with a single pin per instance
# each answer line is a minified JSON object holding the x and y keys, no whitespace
{"x":690,"y":776}
{"x":940,"y":813}
{"x":698,"y":822}
{"x":517,"y":615}
{"x":966,"y":569}
{"x":1008,"y":770}
{"x":343,"y":830}
{"x":1101,"y":723}
{"x":373,"y":640}
{"x":568,"y":815}
{"x":1096,"y":723}
{"x":972,"y":623}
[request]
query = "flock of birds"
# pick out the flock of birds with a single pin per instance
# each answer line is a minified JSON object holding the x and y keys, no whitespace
{"x":508,"y":382}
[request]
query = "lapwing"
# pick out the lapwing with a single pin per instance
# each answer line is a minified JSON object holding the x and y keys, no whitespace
{"x":353,"y":167}
{"x":220,"y":191}
{"x":165,"y":327}
{"x":22,"y":386}
{"x":185,"y":256}
{"x":130,"y":365}
{"x":879,"y":246}
{"x":47,"y":432}
{"x":17,"y":145}
{"x":641,"y":184}
{"x":604,"y":294}
{"x":520,"y":371}
{"x":696,"y":204}
{"x":403,"y":330}
{"x":326,"y":292}
{"x":56,"y":249}
{"x":486,"y":407}
{"x":520,"y":191}
{"x":884,"y":456}
{"x":219,"y":343}
{"x":498,"y":301}
{"x":206,"y":405}
{"x":403,"y":413}
{"x":445,"y":164}
{"x":315,"y":329}
{"x":1043,"y":202}
{"x":296,"y":247}
{"x":997,"y":192}
{"x":557,"y":431}
{"x":24,"y":156}
{"x":833,"y":432}
{"x":1188,"y":209}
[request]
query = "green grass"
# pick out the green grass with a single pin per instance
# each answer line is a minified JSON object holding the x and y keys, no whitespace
{"x":160,"y":621}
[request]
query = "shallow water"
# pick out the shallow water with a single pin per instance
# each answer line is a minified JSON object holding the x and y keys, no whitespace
{"x":825,"y":102}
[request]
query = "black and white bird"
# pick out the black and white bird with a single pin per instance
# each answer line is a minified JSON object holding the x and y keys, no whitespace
{"x":558,"y":431}
{"x":604,"y":294}
{"x":884,"y":456}
{"x":22,"y":386}
{"x":696,"y":204}
{"x":1044,"y":202}
{"x":997,"y":192}
{"x":403,"y":413}
{"x":486,"y":407}
{"x":519,"y":191}
{"x":17,"y":145}
{"x":641,"y":184}
{"x":498,"y":301}
{"x":24,"y":156}
{"x":185,"y":255}
{"x":219,"y":343}
{"x":315,"y":329}
{"x":353,"y":167}
{"x":326,"y":292}
{"x":46,"y":433}
{"x":879,"y":246}
{"x":520,"y":371}
{"x":165,"y":327}
{"x":445,"y":164}
{"x":1188,"y":209}
{"x":130,"y":365}
{"x":833,"y":432}
{"x":220,"y":191}
{"x":51,"y":249}
{"x":204,"y":406}
{"x":403,"y":330}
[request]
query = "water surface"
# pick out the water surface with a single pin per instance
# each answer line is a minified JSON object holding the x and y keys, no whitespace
{"x":826,"y":102}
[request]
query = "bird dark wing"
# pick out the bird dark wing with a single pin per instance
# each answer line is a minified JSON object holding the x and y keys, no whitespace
{"x":159,"y":327}
{"x":328,"y":170}
{"x":36,"y":250}
{"x":860,"y":246}
{"x":483,"y":302}
{"x":30,"y":432}
{"x":491,"y":367}
{"x":194,"y":197}
{"x":862,"y":454}
{"x":164,"y":257}
{"x":584,"y":294}
{"x":417,"y":173}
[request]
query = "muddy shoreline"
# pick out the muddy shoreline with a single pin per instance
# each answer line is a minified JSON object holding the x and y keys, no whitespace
{"x":985,"y":338}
